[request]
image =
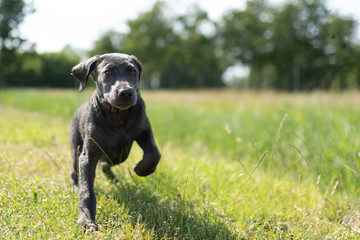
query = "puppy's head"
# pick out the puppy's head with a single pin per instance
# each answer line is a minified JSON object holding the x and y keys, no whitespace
{"x":116,"y":75}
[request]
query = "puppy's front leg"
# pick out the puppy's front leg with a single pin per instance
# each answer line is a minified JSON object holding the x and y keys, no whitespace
{"x":87,"y":165}
{"x":151,"y":155}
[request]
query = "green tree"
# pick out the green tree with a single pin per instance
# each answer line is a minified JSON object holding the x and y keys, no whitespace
{"x":311,"y":44}
{"x":149,"y":39}
{"x":192,"y":59}
{"x":12,"y":15}
{"x":44,"y":70}
{"x":299,"y":45}
{"x":27,"y":71}
{"x":56,"y":68}
{"x":342,"y":53}
{"x":245,"y":38}
{"x":177,"y":52}
{"x":110,"y":41}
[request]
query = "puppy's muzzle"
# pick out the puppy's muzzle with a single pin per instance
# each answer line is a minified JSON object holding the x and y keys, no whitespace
{"x":125,"y":98}
{"x":126,"y":94}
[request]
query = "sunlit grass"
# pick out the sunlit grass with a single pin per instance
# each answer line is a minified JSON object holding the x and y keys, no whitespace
{"x":251,"y":165}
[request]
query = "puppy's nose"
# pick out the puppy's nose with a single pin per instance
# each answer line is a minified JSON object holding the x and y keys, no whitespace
{"x":127,"y":93}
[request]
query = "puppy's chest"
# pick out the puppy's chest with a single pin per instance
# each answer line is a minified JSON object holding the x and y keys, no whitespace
{"x":122,"y":124}
{"x":123,"y":132}
{"x":119,"y":142}
{"x":126,"y":127}
{"x":125,"y":121}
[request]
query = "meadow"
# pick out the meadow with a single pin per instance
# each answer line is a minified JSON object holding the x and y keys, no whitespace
{"x":235,"y":165}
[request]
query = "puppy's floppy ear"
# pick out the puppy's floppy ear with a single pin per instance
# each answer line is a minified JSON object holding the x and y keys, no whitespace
{"x":138,"y":63}
{"x":82,"y":71}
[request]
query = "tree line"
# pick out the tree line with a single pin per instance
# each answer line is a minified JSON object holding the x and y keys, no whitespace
{"x":299,"y":45}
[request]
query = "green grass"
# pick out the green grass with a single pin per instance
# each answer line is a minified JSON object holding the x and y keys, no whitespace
{"x":235,"y":165}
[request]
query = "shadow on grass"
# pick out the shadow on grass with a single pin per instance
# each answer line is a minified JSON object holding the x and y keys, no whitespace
{"x":166,"y":212}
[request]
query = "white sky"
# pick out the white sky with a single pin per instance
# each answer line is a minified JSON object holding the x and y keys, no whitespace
{"x":80,"y":22}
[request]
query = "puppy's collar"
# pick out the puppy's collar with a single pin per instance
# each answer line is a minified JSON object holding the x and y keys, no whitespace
{"x":111,"y":108}
{"x":107,"y":106}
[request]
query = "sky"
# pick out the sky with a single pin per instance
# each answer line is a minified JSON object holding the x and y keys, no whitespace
{"x":79,"y":23}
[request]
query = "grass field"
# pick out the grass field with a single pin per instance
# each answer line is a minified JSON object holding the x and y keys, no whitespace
{"x":235,"y":165}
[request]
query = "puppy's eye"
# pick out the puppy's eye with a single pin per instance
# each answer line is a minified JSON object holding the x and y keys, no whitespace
{"x":107,"y":72}
{"x":133,"y":72}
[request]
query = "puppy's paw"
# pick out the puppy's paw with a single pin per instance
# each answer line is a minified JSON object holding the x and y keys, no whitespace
{"x":143,"y":168}
{"x":87,"y":225}
{"x":90,"y":228}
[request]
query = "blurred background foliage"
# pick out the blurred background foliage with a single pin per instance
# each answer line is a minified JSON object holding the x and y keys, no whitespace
{"x":300,"y":45}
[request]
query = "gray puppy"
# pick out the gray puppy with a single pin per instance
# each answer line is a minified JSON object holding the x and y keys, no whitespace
{"x":105,"y":127}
